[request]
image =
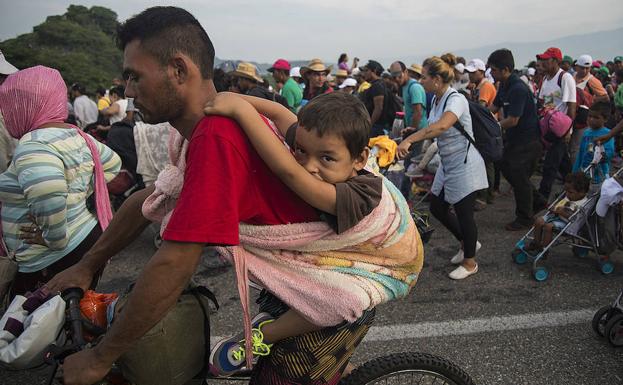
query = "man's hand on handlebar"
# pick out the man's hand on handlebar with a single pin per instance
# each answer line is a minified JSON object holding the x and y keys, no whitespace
{"x":77,"y":275}
{"x":84,"y":368}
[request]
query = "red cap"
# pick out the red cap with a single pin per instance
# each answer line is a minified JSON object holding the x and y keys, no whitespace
{"x":280,"y":64}
{"x":551,"y":53}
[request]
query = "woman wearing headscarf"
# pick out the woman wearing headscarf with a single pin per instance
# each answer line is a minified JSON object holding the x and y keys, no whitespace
{"x":462,"y":170}
{"x":46,"y":223}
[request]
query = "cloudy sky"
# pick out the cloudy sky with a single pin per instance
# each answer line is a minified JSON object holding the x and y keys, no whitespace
{"x":300,"y":29}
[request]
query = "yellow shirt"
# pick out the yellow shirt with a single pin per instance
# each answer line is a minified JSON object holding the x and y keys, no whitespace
{"x":103,"y":103}
{"x":364,"y":86}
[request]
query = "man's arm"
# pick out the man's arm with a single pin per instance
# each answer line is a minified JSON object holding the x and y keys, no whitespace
{"x":126,"y":225}
{"x":378,"y":108}
{"x":571,"y":110}
{"x":614,"y":132}
{"x":112,"y":110}
{"x":155,"y":293}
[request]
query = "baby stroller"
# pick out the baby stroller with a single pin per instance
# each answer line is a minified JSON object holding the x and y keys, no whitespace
{"x":608,"y":322}
{"x":396,"y":174}
{"x":584,"y":232}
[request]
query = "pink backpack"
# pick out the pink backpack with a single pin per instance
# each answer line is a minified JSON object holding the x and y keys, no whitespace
{"x":554,"y":126}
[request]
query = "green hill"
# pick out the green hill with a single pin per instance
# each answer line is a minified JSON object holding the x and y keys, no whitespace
{"x":80,"y":44}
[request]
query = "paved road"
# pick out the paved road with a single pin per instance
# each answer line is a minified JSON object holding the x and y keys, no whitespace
{"x":500,"y":325}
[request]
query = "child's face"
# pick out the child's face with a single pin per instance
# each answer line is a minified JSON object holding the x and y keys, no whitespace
{"x":572,"y":193}
{"x":595,"y":120}
{"x":326,"y":157}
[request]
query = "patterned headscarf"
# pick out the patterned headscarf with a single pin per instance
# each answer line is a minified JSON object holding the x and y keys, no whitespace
{"x":34,"y":96}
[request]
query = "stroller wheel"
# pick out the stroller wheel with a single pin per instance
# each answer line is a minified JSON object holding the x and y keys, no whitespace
{"x":580,"y":252}
{"x":614,"y":330}
{"x":601,"y":318}
{"x":606,"y":267}
{"x":540,"y":274}
{"x":519,"y":256}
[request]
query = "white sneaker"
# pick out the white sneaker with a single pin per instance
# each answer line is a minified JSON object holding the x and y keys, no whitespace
{"x":459,"y":256}
{"x":462,"y":273}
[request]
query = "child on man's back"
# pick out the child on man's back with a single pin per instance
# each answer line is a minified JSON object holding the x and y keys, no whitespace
{"x":327,"y":170}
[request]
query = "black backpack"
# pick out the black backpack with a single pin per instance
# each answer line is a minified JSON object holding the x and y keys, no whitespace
{"x":487,"y":131}
{"x":391,"y":105}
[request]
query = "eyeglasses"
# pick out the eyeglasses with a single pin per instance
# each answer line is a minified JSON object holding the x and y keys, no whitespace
{"x":396,"y":74}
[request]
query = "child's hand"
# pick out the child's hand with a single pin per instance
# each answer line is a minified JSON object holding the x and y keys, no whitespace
{"x":225,"y":104}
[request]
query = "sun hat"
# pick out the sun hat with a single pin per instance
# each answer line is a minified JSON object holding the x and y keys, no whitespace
{"x":350,"y":82}
{"x":280,"y":64}
{"x":415,"y":68}
{"x":341,"y":73}
{"x":551,"y":53}
{"x":247,"y":70}
{"x":475,"y":65}
{"x":6,"y":68}
{"x":584,"y":61}
{"x":316,"y":65}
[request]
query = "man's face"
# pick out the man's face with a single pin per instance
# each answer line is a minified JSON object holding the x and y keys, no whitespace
{"x":476,"y":76}
{"x":497,"y":74}
{"x":618,"y":65}
{"x":565,"y":66}
{"x":582,"y":71}
{"x":316,"y":79}
{"x":151,"y":86}
{"x":279,"y":76}
{"x":400,"y":77}
{"x":244,"y":84}
{"x":548,"y":65}
{"x":366,"y":74}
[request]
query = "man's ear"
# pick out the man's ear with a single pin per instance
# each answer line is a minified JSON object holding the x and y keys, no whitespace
{"x":179,"y":67}
{"x":362,"y":159}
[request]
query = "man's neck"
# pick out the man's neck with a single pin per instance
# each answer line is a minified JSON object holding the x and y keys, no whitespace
{"x":551,"y":75}
{"x":193,"y":113}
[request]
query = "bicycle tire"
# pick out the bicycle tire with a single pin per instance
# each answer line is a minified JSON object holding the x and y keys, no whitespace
{"x":382,"y":368}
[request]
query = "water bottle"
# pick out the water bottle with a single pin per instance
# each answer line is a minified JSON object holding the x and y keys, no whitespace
{"x":398,"y":125}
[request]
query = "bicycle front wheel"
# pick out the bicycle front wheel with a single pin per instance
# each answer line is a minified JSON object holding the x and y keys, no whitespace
{"x":408,"y":368}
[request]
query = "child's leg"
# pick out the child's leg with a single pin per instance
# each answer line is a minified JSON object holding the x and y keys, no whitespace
{"x":538,"y":230}
{"x":290,"y":324}
{"x":548,"y":231}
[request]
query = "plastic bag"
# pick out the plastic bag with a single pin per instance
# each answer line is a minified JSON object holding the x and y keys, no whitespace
{"x":94,"y":305}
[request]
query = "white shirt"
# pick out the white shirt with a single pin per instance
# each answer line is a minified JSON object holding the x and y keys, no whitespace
{"x":557,"y":97}
{"x":123,"y":106}
{"x":85,"y":110}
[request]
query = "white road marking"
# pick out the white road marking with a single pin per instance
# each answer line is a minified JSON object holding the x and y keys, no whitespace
{"x":474,"y":326}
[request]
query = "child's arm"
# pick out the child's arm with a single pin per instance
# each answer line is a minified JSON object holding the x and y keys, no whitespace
{"x":317,"y":193}
{"x":281,"y":116}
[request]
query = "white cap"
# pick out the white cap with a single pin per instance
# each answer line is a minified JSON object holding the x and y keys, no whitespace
{"x":295,"y":72}
{"x":349,"y":82}
{"x":584,"y":61}
{"x":459,"y":67}
{"x":6,"y":68}
{"x":475,"y":65}
{"x":531,"y":71}
{"x":356,"y":71}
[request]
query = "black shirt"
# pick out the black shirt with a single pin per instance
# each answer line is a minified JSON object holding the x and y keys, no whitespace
{"x":515,"y":98}
{"x":377,"y":88}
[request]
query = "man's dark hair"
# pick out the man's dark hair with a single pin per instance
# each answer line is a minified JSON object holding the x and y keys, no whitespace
{"x":165,"y":31}
{"x":601,"y":108}
{"x":579,"y":181}
{"x":101,"y":91}
{"x":79,"y":87}
{"x":118,"y":90}
{"x":502,"y":58}
{"x":340,"y":114}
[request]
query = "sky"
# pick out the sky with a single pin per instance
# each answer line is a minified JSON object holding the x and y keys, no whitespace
{"x":264,"y":30}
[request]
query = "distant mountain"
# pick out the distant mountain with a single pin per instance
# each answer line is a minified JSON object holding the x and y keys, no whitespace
{"x":603,"y":45}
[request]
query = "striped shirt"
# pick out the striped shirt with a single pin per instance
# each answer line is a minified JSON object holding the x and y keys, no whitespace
{"x":50,"y":178}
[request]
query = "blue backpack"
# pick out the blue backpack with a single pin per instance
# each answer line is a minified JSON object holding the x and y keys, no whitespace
{"x":487,"y":131}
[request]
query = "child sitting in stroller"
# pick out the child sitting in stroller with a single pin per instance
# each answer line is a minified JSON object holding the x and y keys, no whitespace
{"x":577,"y":186}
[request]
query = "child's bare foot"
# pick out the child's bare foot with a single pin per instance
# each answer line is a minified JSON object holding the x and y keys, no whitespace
{"x":348,"y":370}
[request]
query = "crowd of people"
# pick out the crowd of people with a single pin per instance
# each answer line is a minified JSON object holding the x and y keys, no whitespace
{"x":211,"y":155}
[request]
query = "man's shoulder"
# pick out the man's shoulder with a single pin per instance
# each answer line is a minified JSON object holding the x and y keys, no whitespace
{"x":218,"y":126}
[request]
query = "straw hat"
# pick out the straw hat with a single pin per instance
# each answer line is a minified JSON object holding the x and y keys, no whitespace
{"x":341,"y":73}
{"x":415,"y":68}
{"x":316,"y":65}
{"x":247,"y":70}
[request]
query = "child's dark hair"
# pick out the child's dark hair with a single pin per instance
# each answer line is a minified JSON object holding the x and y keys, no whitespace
{"x":579,"y":181}
{"x":602,"y":108}
{"x":338,"y":114}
